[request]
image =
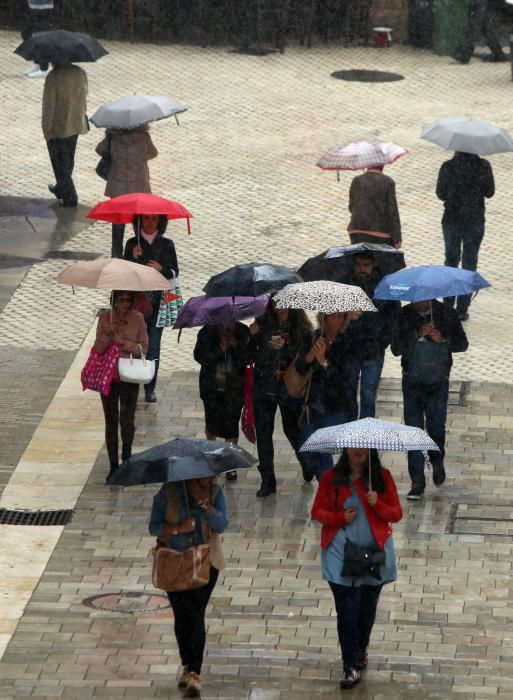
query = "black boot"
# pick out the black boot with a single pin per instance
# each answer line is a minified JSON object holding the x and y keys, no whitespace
{"x":126,"y":452}
{"x":267,"y":488}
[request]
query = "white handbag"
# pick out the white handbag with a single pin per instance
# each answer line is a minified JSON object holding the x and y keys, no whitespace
{"x":136,"y":370}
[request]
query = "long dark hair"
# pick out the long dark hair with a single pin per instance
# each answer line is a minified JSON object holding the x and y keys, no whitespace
{"x":161,"y":225}
{"x":342,"y":471}
{"x":298,"y":323}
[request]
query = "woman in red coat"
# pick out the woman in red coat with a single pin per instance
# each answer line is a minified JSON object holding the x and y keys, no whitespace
{"x":350,"y":506}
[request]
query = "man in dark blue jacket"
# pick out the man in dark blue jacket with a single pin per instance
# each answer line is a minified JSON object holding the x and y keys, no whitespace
{"x":463,"y":184}
{"x":427,"y":334}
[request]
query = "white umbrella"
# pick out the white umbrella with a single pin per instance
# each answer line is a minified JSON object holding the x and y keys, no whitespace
{"x":468,"y":135}
{"x":135,"y":110}
{"x":359,"y":155}
{"x":326,"y":297}
{"x":113,"y":273}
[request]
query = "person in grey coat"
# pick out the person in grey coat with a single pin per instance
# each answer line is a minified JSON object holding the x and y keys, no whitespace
{"x":130,"y":150}
{"x":483,"y":21}
{"x":374,"y":210}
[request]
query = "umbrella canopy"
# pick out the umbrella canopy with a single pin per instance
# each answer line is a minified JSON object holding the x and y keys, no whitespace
{"x":336,"y":263}
{"x":136,"y":110}
{"x":327,"y":297}
{"x":122,"y":209}
{"x":429,"y":282}
{"x":369,"y":433}
{"x":359,"y":155}
{"x":179,"y":460}
{"x":468,"y":135}
{"x":250,"y":280}
{"x":205,"y":311}
{"x":113,"y":273}
{"x":61,"y":47}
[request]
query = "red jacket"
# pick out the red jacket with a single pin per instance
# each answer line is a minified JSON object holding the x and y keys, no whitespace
{"x":332,"y":516}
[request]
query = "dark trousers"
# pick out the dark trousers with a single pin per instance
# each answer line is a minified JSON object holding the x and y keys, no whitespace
{"x":318,"y":462}
{"x":119,"y":409}
{"x":368,"y":373}
{"x":462,"y":243}
{"x":62,"y":157}
{"x":118,"y":231}
{"x":356,"y":613}
{"x":154,"y":340}
{"x":426,"y":407}
{"x":482,"y":22}
{"x":264,"y":407}
{"x":189,"y":610}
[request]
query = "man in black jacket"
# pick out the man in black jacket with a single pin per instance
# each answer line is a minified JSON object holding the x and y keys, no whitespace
{"x":372,"y":334}
{"x":427,"y":334}
{"x":463,"y":183}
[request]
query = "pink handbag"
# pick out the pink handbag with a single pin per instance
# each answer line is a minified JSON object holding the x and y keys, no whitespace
{"x":99,"y":370}
{"x":247,"y":419}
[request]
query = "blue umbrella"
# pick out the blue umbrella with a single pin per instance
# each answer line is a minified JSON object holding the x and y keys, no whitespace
{"x":429,"y":282}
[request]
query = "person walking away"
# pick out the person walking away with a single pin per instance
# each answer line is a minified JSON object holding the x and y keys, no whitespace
{"x":276,"y":338}
{"x":124,"y":326}
{"x":129,"y":150}
{"x":427,"y":334}
{"x":185,"y":512}
{"x":222,"y":352}
{"x":64,"y":119}
{"x":374,"y":210}
{"x":350,"y":509}
{"x":464,"y":182}
{"x":37,"y":17}
{"x":149,"y":247}
{"x":372,"y":333}
{"x":482,"y":21}
{"x":329,"y":356}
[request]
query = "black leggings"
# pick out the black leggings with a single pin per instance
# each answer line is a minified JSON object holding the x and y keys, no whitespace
{"x":119,"y":410}
{"x":189,"y":610}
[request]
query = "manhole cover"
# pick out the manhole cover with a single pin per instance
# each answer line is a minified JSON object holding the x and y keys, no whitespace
{"x":129,"y":602}
{"x":367,"y":76}
{"x":10,"y":516}
{"x":70,"y":255}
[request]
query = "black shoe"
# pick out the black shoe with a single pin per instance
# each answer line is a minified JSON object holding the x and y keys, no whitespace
{"x":462,"y":58}
{"x":463,"y":316}
{"x":53,"y":189}
{"x":363,"y":661}
{"x":231,"y":475}
{"x":307,"y":474}
{"x":266,"y":490}
{"x":492,"y":58}
{"x":149,"y":397}
{"x":416,"y":493}
{"x":351,"y":678}
{"x":438,"y":474}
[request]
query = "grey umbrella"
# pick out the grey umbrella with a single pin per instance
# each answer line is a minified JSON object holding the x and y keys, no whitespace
{"x":468,"y":135}
{"x":135,"y":110}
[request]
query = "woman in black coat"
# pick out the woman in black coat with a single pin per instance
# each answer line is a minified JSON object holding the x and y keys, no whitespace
{"x":222,"y":352}
{"x":150,"y":248}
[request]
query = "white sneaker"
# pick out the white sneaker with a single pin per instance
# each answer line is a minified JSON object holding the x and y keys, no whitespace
{"x":38,"y":74}
{"x":32,"y":69}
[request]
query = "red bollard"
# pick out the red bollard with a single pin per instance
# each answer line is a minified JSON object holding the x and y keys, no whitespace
{"x":382,"y":37}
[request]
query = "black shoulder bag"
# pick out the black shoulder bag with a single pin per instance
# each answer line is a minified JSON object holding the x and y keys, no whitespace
{"x":103,"y":167}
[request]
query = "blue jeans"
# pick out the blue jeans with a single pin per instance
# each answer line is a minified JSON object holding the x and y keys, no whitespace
{"x":462,"y":243}
{"x":369,"y":374}
{"x":426,"y":407}
{"x":318,"y":462}
{"x":154,"y":338}
{"x":356,"y":608}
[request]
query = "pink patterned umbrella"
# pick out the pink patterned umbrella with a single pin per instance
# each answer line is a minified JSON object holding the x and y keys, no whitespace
{"x":360,"y":155}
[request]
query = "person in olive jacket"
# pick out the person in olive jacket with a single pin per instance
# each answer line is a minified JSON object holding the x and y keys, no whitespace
{"x":149,"y":247}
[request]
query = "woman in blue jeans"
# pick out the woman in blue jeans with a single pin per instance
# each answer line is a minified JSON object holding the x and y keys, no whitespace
{"x":350,"y":506}
{"x":330,"y":356}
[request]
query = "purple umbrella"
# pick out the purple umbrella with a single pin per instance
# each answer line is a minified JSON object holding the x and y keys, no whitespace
{"x":206,"y":311}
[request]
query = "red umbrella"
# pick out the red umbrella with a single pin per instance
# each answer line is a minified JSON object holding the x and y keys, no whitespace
{"x":121,"y":210}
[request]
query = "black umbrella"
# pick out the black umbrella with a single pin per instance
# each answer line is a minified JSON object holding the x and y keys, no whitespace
{"x":179,"y":460}
{"x":61,"y":47}
{"x":336,"y":263}
{"x":250,"y":280}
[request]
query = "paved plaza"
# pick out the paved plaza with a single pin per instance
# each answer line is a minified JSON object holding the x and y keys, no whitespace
{"x":78,"y":614}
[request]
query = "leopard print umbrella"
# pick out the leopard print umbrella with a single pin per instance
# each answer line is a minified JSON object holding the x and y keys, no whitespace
{"x":326,"y":297}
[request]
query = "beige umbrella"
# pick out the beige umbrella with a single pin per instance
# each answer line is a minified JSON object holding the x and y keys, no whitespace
{"x":113,"y":273}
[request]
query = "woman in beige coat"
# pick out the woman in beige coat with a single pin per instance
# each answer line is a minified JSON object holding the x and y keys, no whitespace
{"x":130,"y":150}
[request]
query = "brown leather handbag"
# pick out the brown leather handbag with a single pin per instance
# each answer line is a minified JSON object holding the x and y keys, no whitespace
{"x":296,"y":384}
{"x":173,"y":570}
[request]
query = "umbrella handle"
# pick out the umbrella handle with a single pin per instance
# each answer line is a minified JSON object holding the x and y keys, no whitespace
{"x":370,"y":475}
